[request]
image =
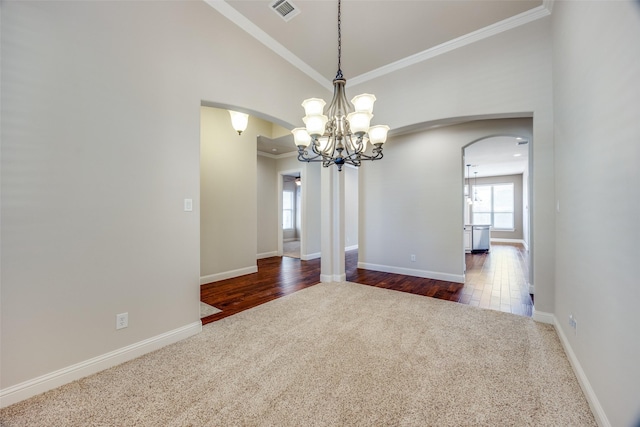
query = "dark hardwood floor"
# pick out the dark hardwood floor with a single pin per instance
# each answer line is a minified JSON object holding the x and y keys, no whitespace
{"x":496,"y":280}
{"x":276,"y":277}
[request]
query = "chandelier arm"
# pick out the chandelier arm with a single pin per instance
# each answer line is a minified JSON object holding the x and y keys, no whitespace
{"x":303,"y":156}
{"x":314,"y":147}
{"x":358,"y":146}
{"x":376,"y":153}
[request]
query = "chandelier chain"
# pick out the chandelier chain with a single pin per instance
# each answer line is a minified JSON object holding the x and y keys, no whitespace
{"x":339,"y":74}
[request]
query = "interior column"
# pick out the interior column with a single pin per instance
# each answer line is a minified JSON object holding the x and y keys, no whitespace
{"x":332,"y":267}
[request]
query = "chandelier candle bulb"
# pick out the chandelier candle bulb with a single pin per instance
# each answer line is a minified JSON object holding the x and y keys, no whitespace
{"x":378,"y":134}
{"x":359,"y":122}
{"x":364,"y":102}
{"x":313,"y":106}
{"x":315,"y":124}
{"x":301,"y":137}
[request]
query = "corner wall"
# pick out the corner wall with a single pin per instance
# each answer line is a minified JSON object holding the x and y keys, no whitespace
{"x":597,"y":133}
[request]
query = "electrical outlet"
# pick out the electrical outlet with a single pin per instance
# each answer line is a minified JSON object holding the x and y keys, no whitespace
{"x":122,"y":320}
{"x":413,"y":258}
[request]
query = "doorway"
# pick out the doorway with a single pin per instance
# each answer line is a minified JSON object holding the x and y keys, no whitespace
{"x":496,"y":191}
{"x":290,"y":208}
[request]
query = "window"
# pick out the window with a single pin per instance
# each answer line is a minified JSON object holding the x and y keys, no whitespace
{"x":287,"y":210}
{"x":493,"y":204}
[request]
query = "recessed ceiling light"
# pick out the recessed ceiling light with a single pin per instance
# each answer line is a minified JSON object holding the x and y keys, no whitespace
{"x":517,"y":155}
{"x":274,"y":149}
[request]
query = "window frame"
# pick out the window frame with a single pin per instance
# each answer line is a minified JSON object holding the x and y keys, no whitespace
{"x":492,"y":212}
{"x":291,"y":209}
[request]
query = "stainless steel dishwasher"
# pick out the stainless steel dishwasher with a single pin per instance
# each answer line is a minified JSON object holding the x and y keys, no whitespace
{"x":481,"y":238}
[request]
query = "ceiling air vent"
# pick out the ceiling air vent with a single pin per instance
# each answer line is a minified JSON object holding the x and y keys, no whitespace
{"x":285,"y":9}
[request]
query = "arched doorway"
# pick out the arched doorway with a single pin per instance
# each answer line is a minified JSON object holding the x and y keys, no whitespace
{"x":497,"y":200}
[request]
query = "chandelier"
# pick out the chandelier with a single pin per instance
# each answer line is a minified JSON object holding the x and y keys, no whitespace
{"x":341,"y":136}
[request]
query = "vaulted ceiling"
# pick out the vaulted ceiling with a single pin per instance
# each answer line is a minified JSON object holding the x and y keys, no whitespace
{"x":378,"y":37}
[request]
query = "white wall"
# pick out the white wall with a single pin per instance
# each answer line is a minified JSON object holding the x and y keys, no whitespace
{"x":597,"y":134}
{"x":506,"y":73}
{"x":100,"y":146}
{"x":412,"y":202}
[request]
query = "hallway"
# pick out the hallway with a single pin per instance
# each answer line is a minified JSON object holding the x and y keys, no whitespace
{"x":498,"y":280}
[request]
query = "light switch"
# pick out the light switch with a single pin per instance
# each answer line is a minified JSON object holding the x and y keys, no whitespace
{"x":188,"y":205}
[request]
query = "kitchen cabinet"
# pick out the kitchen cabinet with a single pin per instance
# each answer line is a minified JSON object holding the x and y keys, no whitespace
{"x":467,"y":238}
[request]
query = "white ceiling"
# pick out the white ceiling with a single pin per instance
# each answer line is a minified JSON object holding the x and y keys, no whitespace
{"x":500,"y":155}
{"x":378,"y":36}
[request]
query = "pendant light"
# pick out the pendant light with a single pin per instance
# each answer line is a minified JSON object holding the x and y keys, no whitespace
{"x":341,"y":136}
{"x":469,"y":200}
{"x":475,"y":187}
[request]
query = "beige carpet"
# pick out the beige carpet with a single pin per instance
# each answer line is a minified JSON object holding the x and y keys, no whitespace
{"x":334,"y":355}
{"x":207,"y":310}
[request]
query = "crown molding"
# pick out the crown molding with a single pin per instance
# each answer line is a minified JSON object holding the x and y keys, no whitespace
{"x":237,"y":18}
{"x":507,"y":24}
{"x":467,"y":39}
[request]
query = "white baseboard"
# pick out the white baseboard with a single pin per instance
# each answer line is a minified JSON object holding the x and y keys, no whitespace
{"x":30,"y":388}
{"x":267,"y":255}
{"x":308,"y":257}
{"x":500,"y":240}
{"x":543,"y":317}
{"x":518,"y":241}
{"x":594,"y":403}
{"x":457,"y":278}
{"x":351,"y":248}
{"x":328,"y":278}
{"x":228,"y":274}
